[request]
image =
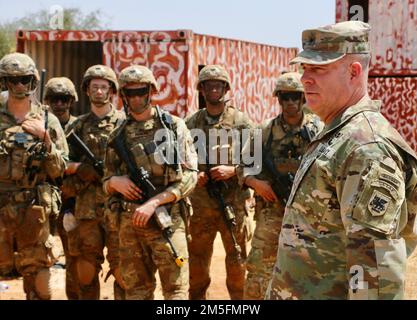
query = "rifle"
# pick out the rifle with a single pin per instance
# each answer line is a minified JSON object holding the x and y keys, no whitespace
{"x":281,"y":183}
{"x":75,"y":141}
{"x":215,"y":191}
{"x":140,"y":177}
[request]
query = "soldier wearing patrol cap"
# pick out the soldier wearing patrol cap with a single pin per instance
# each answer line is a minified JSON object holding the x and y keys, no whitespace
{"x":208,"y":218}
{"x":92,"y":230}
{"x":147,"y":244}
{"x":33,"y":151}
{"x":285,"y":139}
{"x":349,"y":221}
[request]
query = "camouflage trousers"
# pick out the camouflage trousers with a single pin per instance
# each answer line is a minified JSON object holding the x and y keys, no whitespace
{"x":71,"y":279}
{"x":24,"y":245}
{"x":205,"y":223}
{"x":86,"y":242}
{"x":143,"y":251}
{"x":264,"y":246}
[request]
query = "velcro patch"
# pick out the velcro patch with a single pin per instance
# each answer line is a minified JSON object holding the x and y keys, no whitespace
{"x":378,"y":204}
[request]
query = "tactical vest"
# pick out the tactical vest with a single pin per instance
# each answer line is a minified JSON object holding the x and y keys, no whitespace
{"x":21,"y":156}
{"x":141,"y":144}
{"x":230,"y":119}
{"x":287,"y":145}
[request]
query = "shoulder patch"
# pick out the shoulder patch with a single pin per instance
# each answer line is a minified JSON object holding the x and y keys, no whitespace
{"x":378,"y":204}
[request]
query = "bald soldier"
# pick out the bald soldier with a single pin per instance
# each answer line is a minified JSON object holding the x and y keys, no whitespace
{"x":348,"y":223}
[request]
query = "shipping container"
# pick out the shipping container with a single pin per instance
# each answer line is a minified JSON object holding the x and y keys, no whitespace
{"x":393,"y":72}
{"x":175,"y":57}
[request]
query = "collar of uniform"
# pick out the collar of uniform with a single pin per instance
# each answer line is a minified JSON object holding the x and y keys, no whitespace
{"x":34,"y":109}
{"x":365,"y":104}
{"x":106,"y":116}
{"x":287,"y":127}
{"x":220,"y":118}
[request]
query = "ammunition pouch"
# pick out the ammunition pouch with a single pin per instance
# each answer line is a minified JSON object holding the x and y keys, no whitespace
{"x":49,"y":197}
{"x":34,"y":226}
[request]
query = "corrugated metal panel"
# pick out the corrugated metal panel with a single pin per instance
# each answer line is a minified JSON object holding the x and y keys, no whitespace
{"x":174,"y":57}
{"x":399,"y":103}
{"x":253,"y":69}
{"x":54,"y":56}
{"x":393,"y":35}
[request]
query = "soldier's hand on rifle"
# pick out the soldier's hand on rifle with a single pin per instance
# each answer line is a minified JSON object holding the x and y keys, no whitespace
{"x":72,"y":168}
{"x":222,"y":172}
{"x":202,"y":179}
{"x":143,"y":213}
{"x":262,"y":188}
{"x":125,"y":186}
{"x":36,"y":127}
{"x":87,"y":173}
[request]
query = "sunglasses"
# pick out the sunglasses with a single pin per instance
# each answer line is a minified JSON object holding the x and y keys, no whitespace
{"x":56,"y":99}
{"x":20,"y":79}
{"x":286,"y":96}
{"x":210,"y":86}
{"x":136,"y":92}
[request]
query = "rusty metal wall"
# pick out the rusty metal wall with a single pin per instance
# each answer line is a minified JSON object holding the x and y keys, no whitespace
{"x":174,"y":57}
{"x":253,"y":69}
{"x":54,"y":57}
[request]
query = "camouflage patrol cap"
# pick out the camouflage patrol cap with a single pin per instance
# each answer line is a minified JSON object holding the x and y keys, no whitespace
{"x":137,"y":74}
{"x":290,"y":81}
{"x":99,"y":71}
{"x":213,"y":72}
{"x":18,"y":64}
{"x":60,"y":86}
{"x":328,"y":44}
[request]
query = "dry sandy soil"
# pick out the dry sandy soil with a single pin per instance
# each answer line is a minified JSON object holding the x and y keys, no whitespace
{"x":217,"y":289}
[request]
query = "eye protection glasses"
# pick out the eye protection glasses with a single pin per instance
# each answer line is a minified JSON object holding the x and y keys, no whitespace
{"x":20,"y":79}
{"x":141,"y":92}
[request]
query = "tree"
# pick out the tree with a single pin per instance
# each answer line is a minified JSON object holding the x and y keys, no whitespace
{"x":74,"y":19}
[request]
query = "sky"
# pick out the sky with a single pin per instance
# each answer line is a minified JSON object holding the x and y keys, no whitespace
{"x":274,"y":22}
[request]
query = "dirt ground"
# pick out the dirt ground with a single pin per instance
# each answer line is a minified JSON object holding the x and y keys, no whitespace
{"x":217,"y":288}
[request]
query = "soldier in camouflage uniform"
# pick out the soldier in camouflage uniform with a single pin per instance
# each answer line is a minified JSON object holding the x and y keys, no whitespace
{"x":143,"y":247}
{"x":93,"y":231}
{"x":31,"y":156}
{"x":349,"y":221}
{"x":285,"y":139}
{"x":60,"y":94}
{"x":207,"y":219}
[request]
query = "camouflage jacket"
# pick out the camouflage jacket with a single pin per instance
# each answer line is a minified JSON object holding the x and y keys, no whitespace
{"x":67,"y":127}
{"x":231,"y":118}
{"x":16,"y":148}
{"x":140,"y":139}
{"x":350,"y":214}
{"x":285,"y":145}
{"x":94,"y":132}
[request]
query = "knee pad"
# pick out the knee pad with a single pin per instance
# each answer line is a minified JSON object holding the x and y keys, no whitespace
{"x":86,"y":271}
{"x":42,"y":288}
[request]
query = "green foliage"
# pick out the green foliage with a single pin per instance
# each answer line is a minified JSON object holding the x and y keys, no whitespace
{"x":74,"y":19}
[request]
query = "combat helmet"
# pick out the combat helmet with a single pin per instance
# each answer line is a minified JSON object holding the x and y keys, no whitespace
{"x":99,"y":71}
{"x":18,"y":64}
{"x":137,"y":74}
{"x":214,"y":72}
{"x":60,"y":86}
{"x":290,"y":81}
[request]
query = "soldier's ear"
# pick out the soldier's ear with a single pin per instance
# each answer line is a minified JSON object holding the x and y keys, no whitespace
{"x":355,"y":70}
